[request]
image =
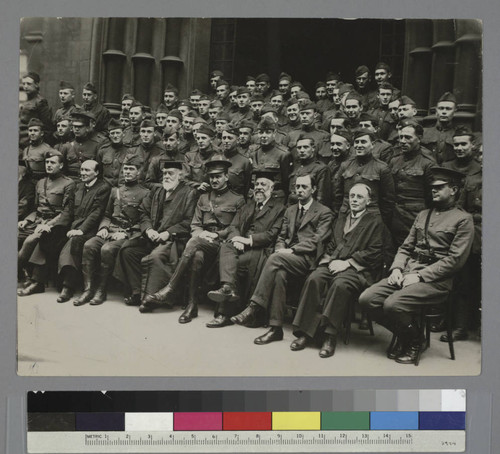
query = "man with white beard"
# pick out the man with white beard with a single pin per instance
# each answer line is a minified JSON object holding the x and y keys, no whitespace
{"x":146,"y":262}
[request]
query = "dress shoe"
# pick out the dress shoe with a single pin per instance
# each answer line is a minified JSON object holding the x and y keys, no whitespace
{"x":248,"y":317}
{"x":225,"y":294}
{"x":164,"y":296}
{"x":32,"y":288}
{"x":410,"y":355}
{"x":84,"y":298}
{"x":438,"y":326}
{"x":148,"y":304}
{"x":220,"y":321}
{"x":363,"y":323}
{"x":299,"y":343}
{"x":133,"y":300}
{"x":65,"y":295}
{"x":99,"y":298}
{"x":458,"y":334}
{"x":189,"y":313}
{"x":328,"y":348}
{"x":274,"y":334}
{"x":396,"y":350}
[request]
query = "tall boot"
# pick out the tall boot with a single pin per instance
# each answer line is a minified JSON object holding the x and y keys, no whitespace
{"x":100,"y":293}
{"x":191,"y":310}
{"x":88,"y":293}
{"x":409,"y":336}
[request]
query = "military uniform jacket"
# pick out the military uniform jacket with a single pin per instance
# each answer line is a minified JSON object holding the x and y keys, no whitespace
{"x":37,"y":107}
{"x":439,"y":139}
{"x":449,"y":239}
{"x":194,"y":166}
{"x":362,"y":244}
{"x":263,"y":225}
{"x":75,"y":153}
{"x":215,"y":212}
{"x":172,"y":214}
{"x":122,"y":212}
{"x":111,"y":160}
{"x":314,"y":230}
{"x":131,"y":136}
{"x":102,"y":115}
{"x":54,"y":201}
{"x":34,"y":157}
{"x":240,"y":115}
{"x":240,"y":172}
{"x":372,"y":172}
{"x":90,"y":205}
{"x":25,"y":197}
{"x":147,"y":153}
{"x":63,"y":111}
{"x":320,"y":172}
{"x":155,"y":173}
{"x":382,"y":150}
{"x":318,"y":135}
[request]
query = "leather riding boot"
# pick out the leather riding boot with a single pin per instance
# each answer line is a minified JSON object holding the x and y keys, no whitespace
{"x":409,"y":336}
{"x":180,"y":270}
{"x":100,"y":294}
{"x":191,"y":310}
{"x":88,"y":292}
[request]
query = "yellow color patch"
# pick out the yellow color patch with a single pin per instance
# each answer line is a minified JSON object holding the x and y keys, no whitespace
{"x":297,"y":420}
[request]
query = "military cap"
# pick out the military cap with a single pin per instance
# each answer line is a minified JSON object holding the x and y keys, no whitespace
{"x":320,"y":84}
{"x":136,"y":104}
{"x":263,"y":78}
{"x":302,"y":95}
{"x":33,"y":75}
{"x":449,"y":97}
{"x":35,"y":122}
{"x":223,"y":116}
{"x":217,"y":165}
{"x":172,"y":164}
{"x":382,"y":65}
{"x":275,"y":93}
{"x":297,"y":84}
{"x":80,"y":114}
{"x":344,"y":134}
{"x":419,"y":130}
{"x":233,"y":88}
{"x":306,"y":136}
{"x":463,"y":130}
{"x":292,"y":101}
{"x":162,"y":109}
{"x":191,"y":114}
{"x":308,"y":105}
{"x":170,"y":88}
{"x":268,"y":109}
{"x":90,"y":86}
{"x":175,"y":113}
{"x":222,"y":82}
{"x":405,"y":100}
{"x":63,"y":85}
{"x":243,"y":90}
{"x":332,"y":76}
{"x":354,"y":95}
{"x":146,"y":109}
{"x":216,"y":73}
{"x":185,"y":102}
{"x":204,"y":97}
{"x":443,"y":175}
{"x":345,"y":88}
{"x":267,"y":123}
{"x":199,"y":120}
{"x":285,"y":76}
{"x":386,"y":86}
{"x":249,"y":78}
{"x":270,"y":174}
{"x":51,"y":153}
{"x":246,"y":124}
{"x":365,"y":116}
{"x":114,"y":124}
{"x":65,"y":117}
{"x":127,"y":96}
{"x":147,"y":124}
{"x":196,"y":92}
{"x":133,"y":160}
{"x":124,"y":114}
{"x":363,"y":132}
{"x":231,"y":128}
{"x":207,"y":130}
{"x":215,"y":103}
{"x":361,"y":70}
{"x":257,"y":97}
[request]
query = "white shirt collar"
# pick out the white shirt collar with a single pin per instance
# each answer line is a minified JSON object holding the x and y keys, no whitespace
{"x":358,"y":214}
{"x":307,"y":205}
{"x":89,"y":185}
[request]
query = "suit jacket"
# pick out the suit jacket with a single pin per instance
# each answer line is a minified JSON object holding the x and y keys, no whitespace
{"x":267,"y":222}
{"x":173,"y":214}
{"x":362,"y":244}
{"x":314,"y":230}
{"x":90,"y":206}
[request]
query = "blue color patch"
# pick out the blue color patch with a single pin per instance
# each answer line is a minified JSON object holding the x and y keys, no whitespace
{"x":100,"y":422}
{"x":394,"y":420}
{"x":442,"y":420}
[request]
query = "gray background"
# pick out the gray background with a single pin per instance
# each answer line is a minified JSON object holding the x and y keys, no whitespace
{"x":483,"y":403}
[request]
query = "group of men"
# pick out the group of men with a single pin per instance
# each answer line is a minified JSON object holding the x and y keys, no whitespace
{"x":249,"y":196}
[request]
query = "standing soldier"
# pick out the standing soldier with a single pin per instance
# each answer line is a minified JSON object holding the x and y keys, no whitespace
{"x":381,"y":148}
{"x":111,"y":154}
{"x":245,"y":145}
{"x":67,"y":98}
{"x":42,"y":233}
{"x":63,"y":133}
{"x":385,"y":93}
{"x":340,"y":145}
{"x":244,"y":112}
{"x":292,"y":114}
{"x":212,"y":217}
{"x":120,"y":222}
{"x":34,"y":154}
{"x":91,"y":105}
{"x":131,"y":134}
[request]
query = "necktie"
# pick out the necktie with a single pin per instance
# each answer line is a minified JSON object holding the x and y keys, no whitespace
{"x":260,"y":206}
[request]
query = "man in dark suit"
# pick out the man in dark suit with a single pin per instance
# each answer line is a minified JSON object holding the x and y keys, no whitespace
{"x":251,"y":236}
{"x":91,"y":198}
{"x":351,"y":263}
{"x":146,"y":262}
{"x":306,"y":226}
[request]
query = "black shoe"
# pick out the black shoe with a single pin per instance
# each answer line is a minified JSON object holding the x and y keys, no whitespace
{"x":84,"y":298}
{"x":225,"y":294}
{"x":248,"y":317}
{"x":219,"y":322}
{"x":274,"y":334}
{"x":99,"y":298}
{"x":189,"y":313}
{"x":397,"y":349}
{"x":363,"y":324}
{"x":65,"y":295}
{"x":410,"y":355}
{"x":164,"y":296}
{"x":31,"y":289}
{"x":299,"y":343}
{"x":438,"y":326}
{"x":328,"y":348}
{"x":133,"y":300}
{"x":458,"y":334}
{"x":148,"y":304}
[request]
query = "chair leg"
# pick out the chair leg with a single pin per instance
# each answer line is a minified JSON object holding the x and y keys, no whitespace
{"x":347,"y":323}
{"x":370,"y":324}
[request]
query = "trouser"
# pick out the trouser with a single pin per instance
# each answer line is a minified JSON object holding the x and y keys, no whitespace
{"x":467,"y":294}
{"x":70,"y":259}
{"x":270,"y":292}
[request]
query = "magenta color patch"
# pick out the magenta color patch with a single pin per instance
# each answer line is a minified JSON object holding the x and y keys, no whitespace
{"x":198,"y":421}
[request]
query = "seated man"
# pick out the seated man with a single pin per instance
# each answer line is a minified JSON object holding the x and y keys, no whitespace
{"x":213,"y":215}
{"x":251,"y":236}
{"x":146,"y":261}
{"x":351,"y":263}
{"x":422,"y":273}
{"x":306,"y":226}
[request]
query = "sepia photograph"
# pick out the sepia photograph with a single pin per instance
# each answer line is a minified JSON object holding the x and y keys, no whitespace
{"x":249,"y":197}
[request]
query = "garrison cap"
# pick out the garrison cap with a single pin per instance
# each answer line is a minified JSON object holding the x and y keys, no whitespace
{"x":172,"y":164}
{"x":443,"y":175}
{"x":419,"y":130}
{"x":223,"y":116}
{"x":361,"y":70}
{"x":114,"y":124}
{"x":124,"y":114}
{"x":386,"y":86}
{"x":284,"y":76}
{"x":199,"y":120}
{"x":246,"y":124}
{"x":35,"y":122}
{"x":207,"y":130}
{"x":292,"y":101}
{"x":448,"y":96}
{"x":33,"y":75}
{"x":346,"y":88}
{"x":268,"y":109}
{"x":320,"y":84}
{"x":147,"y":124}
{"x":249,"y":78}
{"x":297,"y":84}
{"x":365,"y":116}
{"x":222,"y":82}
{"x":146,"y":109}
{"x":215,"y":103}
{"x":63,"y":85}
{"x":354,"y":95}
{"x":275,"y":93}
{"x":80,"y":114}
{"x":270,"y":174}
{"x":51,"y":153}
{"x":175,"y":113}
{"x":217,"y":165}
{"x":90,"y":86}
{"x":243,"y":90}
{"x":137,"y":104}
{"x":216,"y":73}
{"x":204,"y":97}
{"x":231,"y":128}
{"x":308,"y":105}
{"x":185,"y":102}
{"x":263,"y":78}
{"x":233,"y":88}
{"x":405,"y":100}
{"x":302,"y":96}
{"x":463,"y":130}
{"x":363,"y":132}
{"x":170,"y":88}
{"x":257,"y":97}
{"x":127,"y":96}
{"x":162,"y":109}
{"x":344,"y":134}
{"x":133,"y":160}
{"x":196,"y":92}
{"x":332,"y":75}
{"x":65,"y":117}
{"x":191,"y":114}
{"x":267,"y":124}
{"x":382,"y":65}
